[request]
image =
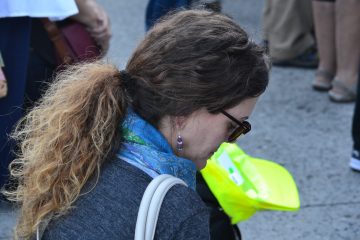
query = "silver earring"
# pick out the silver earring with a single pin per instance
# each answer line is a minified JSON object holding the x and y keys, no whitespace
{"x":179,"y":143}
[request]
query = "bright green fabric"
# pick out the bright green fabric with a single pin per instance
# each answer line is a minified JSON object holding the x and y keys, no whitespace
{"x":243,"y":184}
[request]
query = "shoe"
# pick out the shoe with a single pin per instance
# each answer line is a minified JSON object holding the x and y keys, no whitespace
{"x":355,"y":161}
{"x":308,"y":59}
{"x":324,"y":85}
{"x":348,"y":93}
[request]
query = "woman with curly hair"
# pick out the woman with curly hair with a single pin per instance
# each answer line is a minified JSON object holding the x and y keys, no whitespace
{"x":99,"y":135}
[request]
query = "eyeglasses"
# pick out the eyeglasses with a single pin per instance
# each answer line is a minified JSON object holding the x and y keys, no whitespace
{"x":243,"y":127}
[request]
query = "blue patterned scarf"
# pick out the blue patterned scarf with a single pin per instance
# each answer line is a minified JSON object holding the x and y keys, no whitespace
{"x":147,"y":149}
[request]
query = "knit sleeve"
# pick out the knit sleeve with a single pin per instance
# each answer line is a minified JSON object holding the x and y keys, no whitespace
{"x":194,"y":227}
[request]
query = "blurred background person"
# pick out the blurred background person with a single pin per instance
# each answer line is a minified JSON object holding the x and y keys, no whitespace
{"x":15,"y":28}
{"x":43,"y":60}
{"x":155,"y":9}
{"x":29,"y":56}
{"x":288,"y":33}
{"x":337,"y":27}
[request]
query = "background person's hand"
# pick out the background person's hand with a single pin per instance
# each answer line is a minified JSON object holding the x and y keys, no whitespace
{"x":94,"y":17}
{"x":101,"y":30}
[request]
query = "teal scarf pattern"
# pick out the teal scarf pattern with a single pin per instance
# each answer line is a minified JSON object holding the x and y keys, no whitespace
{"x":147,"y":149}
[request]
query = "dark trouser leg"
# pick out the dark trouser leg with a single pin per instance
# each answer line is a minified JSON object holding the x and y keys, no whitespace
{"x":42,"y":64}
{"x":40,"y":74}
{"x":158,"y":8}
{"x":356,"y":120}
{"x":14,"y":47}
{"x":287,"y":26}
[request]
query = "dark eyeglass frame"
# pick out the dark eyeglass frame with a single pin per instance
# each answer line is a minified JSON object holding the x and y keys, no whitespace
{"x":242,"y":129}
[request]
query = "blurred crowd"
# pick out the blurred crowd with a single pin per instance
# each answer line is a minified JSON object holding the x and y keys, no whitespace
{"x":323,"y":35}
{"x":320,"y":35}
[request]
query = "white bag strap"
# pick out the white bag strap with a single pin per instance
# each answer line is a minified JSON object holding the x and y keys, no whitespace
{"x":151,"y":203}
{"x":42,"y":226}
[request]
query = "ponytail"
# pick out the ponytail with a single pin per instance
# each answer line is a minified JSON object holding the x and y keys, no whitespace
{"x":65,"y":139}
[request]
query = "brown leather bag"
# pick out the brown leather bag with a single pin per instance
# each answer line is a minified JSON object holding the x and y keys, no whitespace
{"x":72,"y":42}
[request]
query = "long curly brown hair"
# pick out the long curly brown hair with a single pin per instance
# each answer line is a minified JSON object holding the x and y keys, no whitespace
{"x":64,"y":141}
{"x":191,"y":60}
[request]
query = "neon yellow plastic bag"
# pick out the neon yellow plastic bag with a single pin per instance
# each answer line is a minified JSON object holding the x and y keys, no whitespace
{"x":243,"y":184}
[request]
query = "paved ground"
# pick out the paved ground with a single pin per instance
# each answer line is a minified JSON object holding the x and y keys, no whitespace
{"x":292,"y":125}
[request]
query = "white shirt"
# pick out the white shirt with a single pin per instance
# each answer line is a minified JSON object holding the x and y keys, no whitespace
{"x":54,"y":9}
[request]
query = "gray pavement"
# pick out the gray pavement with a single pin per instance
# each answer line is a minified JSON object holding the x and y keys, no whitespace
{"x":292,"y":125}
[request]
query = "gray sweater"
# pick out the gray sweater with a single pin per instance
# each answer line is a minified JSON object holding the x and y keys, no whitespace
{"x":110,"y":210}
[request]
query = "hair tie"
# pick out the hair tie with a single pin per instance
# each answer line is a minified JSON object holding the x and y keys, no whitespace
{"x":128,"y":82}
{"x":125,"y":77}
